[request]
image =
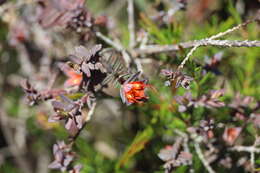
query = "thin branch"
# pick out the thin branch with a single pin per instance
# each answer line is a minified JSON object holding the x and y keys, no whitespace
{"x":131,"y":23}
{"x":225,"y":43}
{"x":109,"y":41}
{"x":72,"y":139}
{"x":115,"y":7}
{"x":117,"y":46}
{"x":11,"y":5}
{"x":150,"y":49}
{"x":221,"y":34}
{"x":187,"y":57}
{"x":245,"y":149}
{"x":186,"y":139}
{"x":202,"y":158}
{"x":250,"y":149}
{"x":27,"y":67}
{"x":252,"y":160}
{"x":252,"y":155}
{"x":43,"y":161}
{"x":14,"y":150}
{"x":212,"y":38}
{"x":138,"y":64}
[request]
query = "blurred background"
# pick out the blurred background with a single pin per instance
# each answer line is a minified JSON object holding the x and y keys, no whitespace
{"x":122,"y":138}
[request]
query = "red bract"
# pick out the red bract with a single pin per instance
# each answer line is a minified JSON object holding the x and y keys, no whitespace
{"x":133,"y":92}
{"x":230,"y":135}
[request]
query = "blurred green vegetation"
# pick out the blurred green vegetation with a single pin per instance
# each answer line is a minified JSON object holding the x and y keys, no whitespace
{"x":139,"y":142}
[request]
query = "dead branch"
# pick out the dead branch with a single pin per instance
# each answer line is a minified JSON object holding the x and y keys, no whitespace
{"x":151,"y":49}
{"x":248,"y":149}
{"x":131,"y":23}
{"x":202,"y":158}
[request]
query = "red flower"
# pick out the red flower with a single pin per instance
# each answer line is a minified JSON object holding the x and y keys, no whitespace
{"x":133,"y":92}
{"x":74,"y":77}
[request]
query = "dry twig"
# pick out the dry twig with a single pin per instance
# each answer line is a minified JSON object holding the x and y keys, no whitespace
{"x":151,"y":49}
{"x":116,"y":46}
{"x":212,"y":38}
{"x":131,"y":23}
{"x":248,"y":149}
{"x":210,"y":41}
{"x":202,"y":158}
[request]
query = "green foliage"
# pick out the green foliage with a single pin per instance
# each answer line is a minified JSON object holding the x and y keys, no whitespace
{"x":166,"y":35}
{"x":137,"y":145}
{"x":232,"y":10}
{"x":8,"y":168}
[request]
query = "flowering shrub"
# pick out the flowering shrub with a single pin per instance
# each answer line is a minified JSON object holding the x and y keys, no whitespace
{"x":108,"y":92}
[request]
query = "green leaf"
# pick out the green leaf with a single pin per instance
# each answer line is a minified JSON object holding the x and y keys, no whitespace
{"x":232,"y":10}
{"x":137,"y":145}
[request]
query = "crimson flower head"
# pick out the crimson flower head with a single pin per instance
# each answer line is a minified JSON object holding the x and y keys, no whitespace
{"x":133,"y":92}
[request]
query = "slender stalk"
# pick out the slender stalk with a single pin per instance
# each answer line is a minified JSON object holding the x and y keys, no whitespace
{"x":131,"y":23}
{"x":151,"y":49}
{"x":245,"y":149}
{"x":72,"y":139}
{"x":109,"y":41}
{"x":221,"y":34}
{"x":202,"y":158}
{"x":188,"y":56}
{"x":117,"y":46}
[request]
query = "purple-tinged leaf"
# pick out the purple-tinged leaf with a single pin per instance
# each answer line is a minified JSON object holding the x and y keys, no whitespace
{"x":58,"y":105}
{"x":85,"y":69}
{"x":75,"y":59}
{"x":81,"y":52}
{"x":79,"y":121}
{"x":55,"y":165}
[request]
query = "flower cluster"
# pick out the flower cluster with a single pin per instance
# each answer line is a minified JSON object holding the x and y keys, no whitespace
{"x":86,"y":72}
{"x":133,"y":92}
{"x":88,"y":62}
{"x":72,"y":112}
